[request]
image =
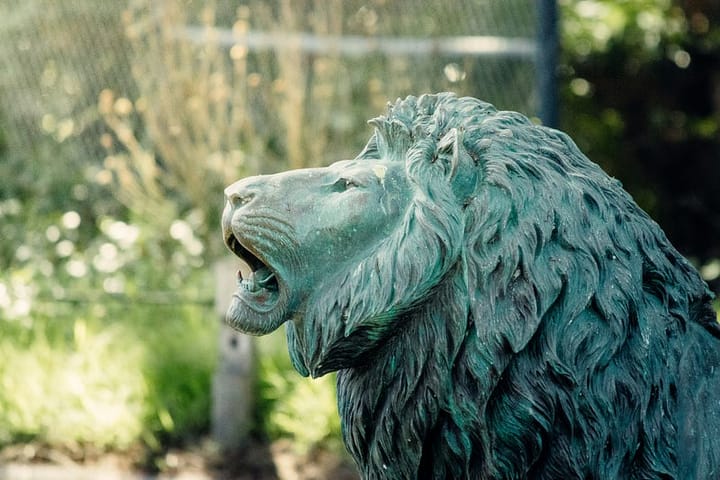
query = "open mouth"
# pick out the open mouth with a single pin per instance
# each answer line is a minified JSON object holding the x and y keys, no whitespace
{"x":260,"y":288}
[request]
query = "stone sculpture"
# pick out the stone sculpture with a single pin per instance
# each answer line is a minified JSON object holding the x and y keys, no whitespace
{"x":496,"y":306}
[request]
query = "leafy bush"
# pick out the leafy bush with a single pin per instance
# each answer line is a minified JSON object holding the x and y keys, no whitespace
{"x":74,"y":380}
{"x":638,"y":99}
{"x":106,"y":332}
{"x":291,"y":406}
{"x":179,"y":363}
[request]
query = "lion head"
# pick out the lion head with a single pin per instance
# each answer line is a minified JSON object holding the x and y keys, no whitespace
{"x":343,"y":252}
{"x":464,"y":273}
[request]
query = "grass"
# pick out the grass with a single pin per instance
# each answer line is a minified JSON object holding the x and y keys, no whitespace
{"x":107,"y":377}
{"x":86,"y":390}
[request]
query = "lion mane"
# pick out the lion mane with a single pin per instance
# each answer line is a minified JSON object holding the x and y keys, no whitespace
{"x":525,"y":320}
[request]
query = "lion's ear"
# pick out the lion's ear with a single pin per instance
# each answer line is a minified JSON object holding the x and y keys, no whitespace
{"x":371,"y":150}
{"x":461,"y":169}
{"x":392,"y":138}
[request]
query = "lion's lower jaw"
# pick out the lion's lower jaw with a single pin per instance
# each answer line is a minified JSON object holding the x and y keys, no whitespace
{"x":242,"y":318}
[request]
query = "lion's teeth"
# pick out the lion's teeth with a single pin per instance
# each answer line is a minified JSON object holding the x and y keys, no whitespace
{"x":258,"y":280}
{"x":264,"y":277}
{"x":252,"y":284}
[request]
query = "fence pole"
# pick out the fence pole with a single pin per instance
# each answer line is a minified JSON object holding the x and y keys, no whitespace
{"x":547,"y":61}
{"x":232,"y":389}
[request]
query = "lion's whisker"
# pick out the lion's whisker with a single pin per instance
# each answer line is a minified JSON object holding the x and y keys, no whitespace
{"x":263,"y":216}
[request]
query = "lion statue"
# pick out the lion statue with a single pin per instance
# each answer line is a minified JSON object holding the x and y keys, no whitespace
{"x":495,"y":305}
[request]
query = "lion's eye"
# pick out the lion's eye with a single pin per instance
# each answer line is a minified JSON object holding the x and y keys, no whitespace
{"x":343,"y":184}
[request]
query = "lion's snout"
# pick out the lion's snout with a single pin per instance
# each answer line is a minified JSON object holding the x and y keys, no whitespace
{"x":244,"y":197}
{"x":236,"y":196}
{"x":242,"y":192}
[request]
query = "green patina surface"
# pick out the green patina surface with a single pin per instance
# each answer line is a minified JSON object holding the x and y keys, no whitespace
{"x":495,"y":304}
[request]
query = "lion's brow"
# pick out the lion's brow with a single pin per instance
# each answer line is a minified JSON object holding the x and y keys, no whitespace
{"x":365,"y":175}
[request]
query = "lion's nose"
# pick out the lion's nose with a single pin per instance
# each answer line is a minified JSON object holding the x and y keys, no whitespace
{"x":239,"y":193}
{"x":237,"y":196}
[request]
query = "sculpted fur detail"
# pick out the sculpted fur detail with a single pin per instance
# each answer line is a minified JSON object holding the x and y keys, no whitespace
{"x":496,"y":306}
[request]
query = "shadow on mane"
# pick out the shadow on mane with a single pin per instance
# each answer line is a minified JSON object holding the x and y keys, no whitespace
{"x":522,"y":318}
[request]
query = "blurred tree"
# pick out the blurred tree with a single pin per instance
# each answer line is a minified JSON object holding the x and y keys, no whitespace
{"x":642,"y":98}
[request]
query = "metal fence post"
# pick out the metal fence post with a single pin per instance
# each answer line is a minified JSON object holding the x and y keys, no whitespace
{"x":547,"y":61}
{"x":232,"y":389}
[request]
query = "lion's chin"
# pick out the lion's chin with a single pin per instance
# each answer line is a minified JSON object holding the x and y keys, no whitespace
{"x":256,"y":308}
{"x":248,"y":318}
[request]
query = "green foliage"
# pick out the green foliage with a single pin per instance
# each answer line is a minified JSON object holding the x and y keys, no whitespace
{"x":638,"y":97}
{"x":291,"y":406}
{"x":93,"y":378}
{"x":591,"y":26}
{"x":111,"y":377}
{"x":178,"y":369}
{"x":104,"y":333}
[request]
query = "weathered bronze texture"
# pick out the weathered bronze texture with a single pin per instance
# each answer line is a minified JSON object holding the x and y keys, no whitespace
{"x":496,"y":306}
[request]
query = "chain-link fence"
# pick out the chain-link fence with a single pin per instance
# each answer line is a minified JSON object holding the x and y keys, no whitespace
{"x":286,"y":81}
{"x":162,"y":103}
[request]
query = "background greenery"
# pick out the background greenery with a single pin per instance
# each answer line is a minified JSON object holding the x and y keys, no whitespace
{"x":109,"y":224}
{"x":640,"y":96}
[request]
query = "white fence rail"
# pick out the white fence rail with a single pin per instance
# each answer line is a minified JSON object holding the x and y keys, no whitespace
{"x":356,"y":45}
